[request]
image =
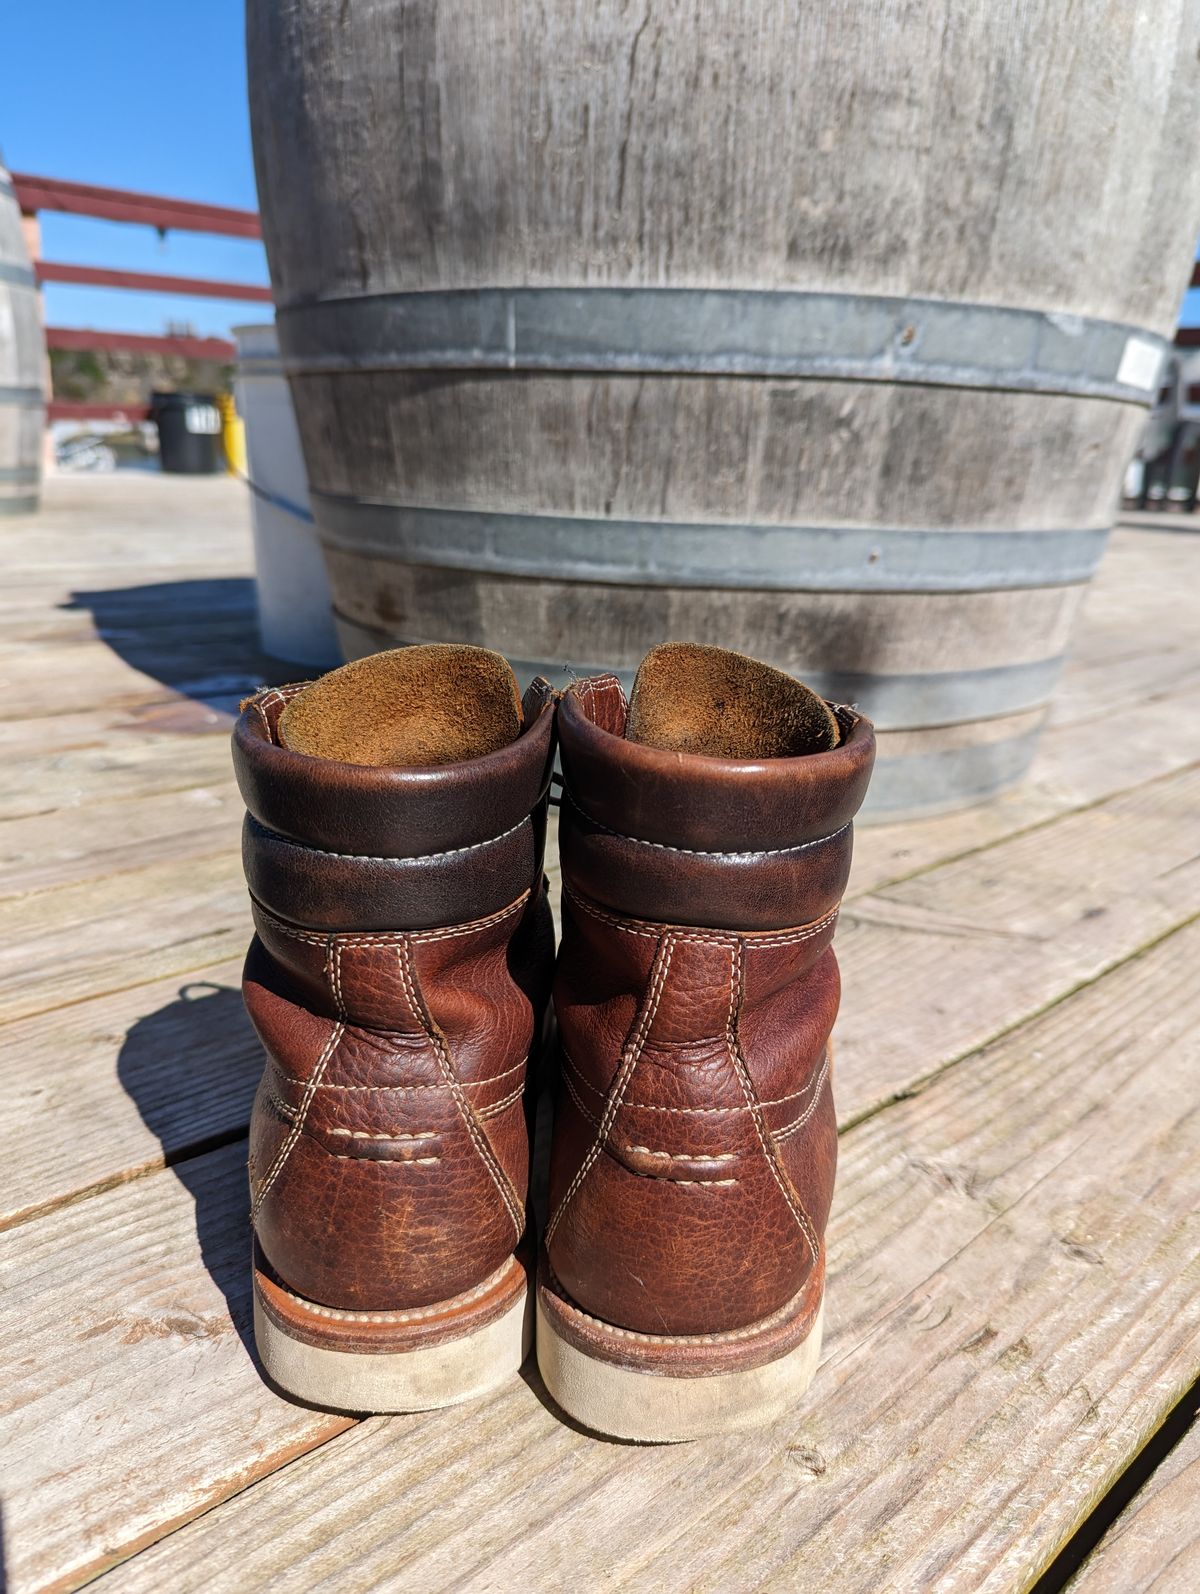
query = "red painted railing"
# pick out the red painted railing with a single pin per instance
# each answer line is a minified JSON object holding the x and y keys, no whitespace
{"x":120,"y":204}
{"x":36,"y":194}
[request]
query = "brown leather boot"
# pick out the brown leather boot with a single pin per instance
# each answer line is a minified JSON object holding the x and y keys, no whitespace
{"x":705,"y":839}
{"x":398,"y":979}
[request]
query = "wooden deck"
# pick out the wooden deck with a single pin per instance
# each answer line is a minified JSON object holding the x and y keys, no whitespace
{"x":1014,"y":1299}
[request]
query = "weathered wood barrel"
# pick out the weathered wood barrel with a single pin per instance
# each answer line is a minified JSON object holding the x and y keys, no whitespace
{"x":822,"y":332}
{"x":22,"y":355}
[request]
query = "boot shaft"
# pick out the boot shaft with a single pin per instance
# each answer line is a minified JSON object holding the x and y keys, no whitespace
{"x":696,"y":987}
{"x":399,"y":973}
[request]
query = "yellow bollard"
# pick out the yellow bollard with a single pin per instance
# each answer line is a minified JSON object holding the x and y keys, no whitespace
{"x":233,"y":435}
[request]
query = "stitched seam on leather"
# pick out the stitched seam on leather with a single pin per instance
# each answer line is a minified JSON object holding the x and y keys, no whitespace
{"x":421,"y":857}
{"x":293,"y":1135}
{"x":574,"y":1094}
{"x":275,"y":695}
{"x":702,"y":852}
{"x":280,"y":1105}
{"x":645,"y":1106}
{"x":660,"y":1178}
{"x":685,"y":1156}
{"x":728,"y":1335}
{"x":620,"y":1084}
{"x":751,"y":941}
{"x":391,"y":938}
{"x":799,"y":1123}
{"x":375,"y":1134}
{"x":769,"y":1150}
{"x":498,"y":1107}
{"x":465,"y":1110}
{"x":380,"y":1162}
{"x":333,"y":972}
{"x":590,"y":687}
{"x":416,"y":1314}
{"x":467,"y":1084}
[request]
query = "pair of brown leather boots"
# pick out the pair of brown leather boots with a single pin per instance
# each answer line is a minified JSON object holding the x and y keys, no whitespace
{"x":404,"y":982}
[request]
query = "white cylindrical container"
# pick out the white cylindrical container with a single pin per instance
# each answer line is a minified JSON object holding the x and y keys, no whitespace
{"x":295,"y":618}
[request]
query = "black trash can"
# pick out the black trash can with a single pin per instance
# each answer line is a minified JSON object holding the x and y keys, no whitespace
{"x":189,"y":432}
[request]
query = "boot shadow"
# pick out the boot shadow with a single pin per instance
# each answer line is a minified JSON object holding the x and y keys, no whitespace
{"x":204,"y":1043}
{"x":197,"y":637}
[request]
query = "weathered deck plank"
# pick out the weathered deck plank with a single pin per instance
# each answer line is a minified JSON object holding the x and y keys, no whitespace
{"x":1154,"y":1545}
{"x":123,"y":901}
{"x":1011,"y":1316}
{"x":172,"y":917}
{"x":143,"y":1076}
{"x":131,"y":1398}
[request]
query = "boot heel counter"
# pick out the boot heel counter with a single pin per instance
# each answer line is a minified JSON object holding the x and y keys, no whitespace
{"x":690,"y":1185}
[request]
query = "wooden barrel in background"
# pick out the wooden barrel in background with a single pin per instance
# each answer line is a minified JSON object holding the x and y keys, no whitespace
{"x":22,"y":355}
{"x":822,"y":332}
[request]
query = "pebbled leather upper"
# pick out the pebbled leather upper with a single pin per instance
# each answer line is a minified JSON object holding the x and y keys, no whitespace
{"x":695,"y":1140}
{"x":398,"y":979}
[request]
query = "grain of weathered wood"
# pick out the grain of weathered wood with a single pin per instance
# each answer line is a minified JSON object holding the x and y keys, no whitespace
{"x":126,"y":929}
{"x":110,"y":1088}
{"x":1014,"y":1304}
{"x":752,"y":146}
{"x":615,"y":144}
{"x":42,"y":851}
{"x":131,"y":1400}
{"x":1075,"y":766}
{"x":940,"y":963}
{"x":1153,"y":1547}
{"x":159,"y":747}
{"x":434,"y":1499}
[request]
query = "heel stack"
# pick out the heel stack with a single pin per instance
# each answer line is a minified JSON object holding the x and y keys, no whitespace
{"x":416,"y":1360}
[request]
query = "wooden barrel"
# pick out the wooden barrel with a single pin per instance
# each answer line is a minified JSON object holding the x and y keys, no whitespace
{"x":823,"y":332}
{"x":22,"y":357}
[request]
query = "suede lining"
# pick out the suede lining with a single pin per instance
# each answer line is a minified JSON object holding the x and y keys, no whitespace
{"x":692,"y":699}
{"x":436,"y":703}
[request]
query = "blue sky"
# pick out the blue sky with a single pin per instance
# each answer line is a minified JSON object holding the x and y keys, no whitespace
{"x":146,"y":94}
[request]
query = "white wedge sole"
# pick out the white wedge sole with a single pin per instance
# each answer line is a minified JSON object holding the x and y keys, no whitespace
{"x":657,"y":1408}
{"x":391,"y":1362}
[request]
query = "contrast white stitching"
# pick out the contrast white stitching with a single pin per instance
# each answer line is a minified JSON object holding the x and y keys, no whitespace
{"x":620,"y":1084}
{"x":817,"y":1086}
{"x":381,"y":1162}
{"x":701,"y":852}
{"x":415,"y":1314}
{"x":333,"y":971}
{"x":685,"y":1156}
{"x":393,"y":1134}
{"x":645,"y":1106}
{"x":293,"y":1134}
{"x":762,"y":1326}
{"x":499,"y":1106}
{"x":420,"y":857}
{"x":574,"y":1094}
{"x":751,"y":939}
{"x":465,"y":1109}
{"x":403,"y":1090}
{"x":769,"y":1151}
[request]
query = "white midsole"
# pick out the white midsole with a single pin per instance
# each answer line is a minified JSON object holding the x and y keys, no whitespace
{"x":657,"y":1408}
{"x":411,"y":1380}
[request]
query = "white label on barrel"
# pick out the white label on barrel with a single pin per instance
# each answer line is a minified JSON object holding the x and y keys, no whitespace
{"x":1139,"y":364}
{"x":202,"y":418}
